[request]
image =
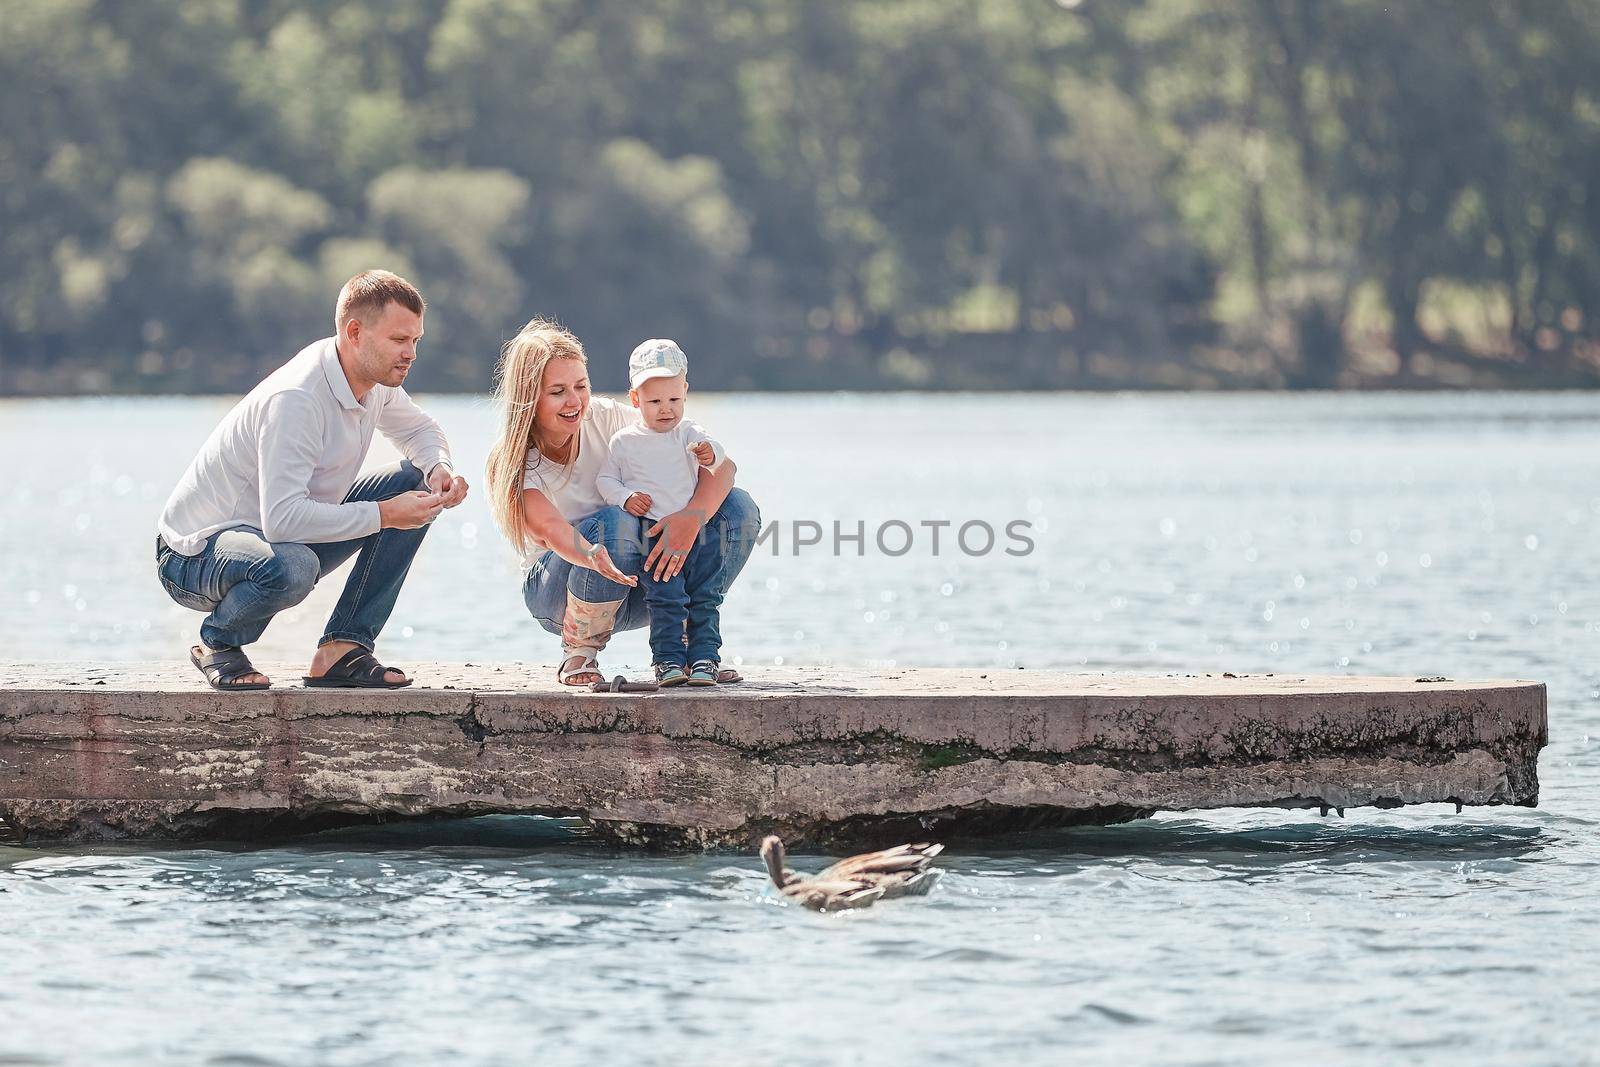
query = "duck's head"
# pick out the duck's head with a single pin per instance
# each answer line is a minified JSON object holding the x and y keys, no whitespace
{"x":772,"y":856}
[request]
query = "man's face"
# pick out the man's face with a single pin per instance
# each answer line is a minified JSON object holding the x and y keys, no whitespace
{"x":387,"y":346}
{"x":660,"y":401}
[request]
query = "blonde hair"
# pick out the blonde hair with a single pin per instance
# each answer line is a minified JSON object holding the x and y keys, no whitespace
{"x":519,"y":377}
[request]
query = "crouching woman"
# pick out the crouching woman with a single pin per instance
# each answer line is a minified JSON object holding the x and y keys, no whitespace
{"x":584,"y":558}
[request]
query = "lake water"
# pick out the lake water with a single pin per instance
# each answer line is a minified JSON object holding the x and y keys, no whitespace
{"x":1409,"y":535}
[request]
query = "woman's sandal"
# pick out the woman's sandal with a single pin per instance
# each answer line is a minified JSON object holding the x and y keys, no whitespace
{"x":584,"y":665}
{"x":356,"y":669}
{"x":224,"y":667}
{"x":728,"y":676}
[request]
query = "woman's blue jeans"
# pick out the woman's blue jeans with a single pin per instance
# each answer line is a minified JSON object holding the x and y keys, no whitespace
{"x":725,"y":544}
{"x":242,"y":580}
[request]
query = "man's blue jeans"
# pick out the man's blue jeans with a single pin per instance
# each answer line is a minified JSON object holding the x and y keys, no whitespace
{"x":726,"y":542}
{"x":242,"y":580}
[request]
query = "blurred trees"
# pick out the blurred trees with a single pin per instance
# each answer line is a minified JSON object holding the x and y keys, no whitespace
{"x":1411,"y":189}
{"x":922,"y":193}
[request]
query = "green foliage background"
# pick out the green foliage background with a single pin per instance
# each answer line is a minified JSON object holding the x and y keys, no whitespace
{"x":810,"y":194}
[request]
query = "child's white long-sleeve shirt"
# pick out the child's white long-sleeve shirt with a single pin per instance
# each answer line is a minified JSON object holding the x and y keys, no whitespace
{"x":656,"y":462}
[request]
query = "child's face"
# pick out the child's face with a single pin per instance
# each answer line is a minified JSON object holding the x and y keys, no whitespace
{"x":660,"y":401}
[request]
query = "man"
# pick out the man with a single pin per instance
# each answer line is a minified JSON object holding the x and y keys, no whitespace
{"x":272,"y":502}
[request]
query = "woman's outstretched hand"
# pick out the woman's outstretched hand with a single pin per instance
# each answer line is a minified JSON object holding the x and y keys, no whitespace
{"x":678,"y":531}
{"x":600,"y":561}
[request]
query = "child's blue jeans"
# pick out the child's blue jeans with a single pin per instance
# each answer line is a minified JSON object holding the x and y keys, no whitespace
{"x":693,"y":595}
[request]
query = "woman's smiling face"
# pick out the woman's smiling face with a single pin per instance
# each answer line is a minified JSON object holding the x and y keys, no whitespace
{"x":563,"y":398}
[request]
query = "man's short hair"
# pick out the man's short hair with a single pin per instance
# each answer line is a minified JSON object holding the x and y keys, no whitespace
{"x":368,"y":293}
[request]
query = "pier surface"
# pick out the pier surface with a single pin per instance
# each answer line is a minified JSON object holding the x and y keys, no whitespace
{"x":829,"y":756}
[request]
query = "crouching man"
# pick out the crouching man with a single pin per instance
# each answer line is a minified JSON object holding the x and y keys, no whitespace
{"x":273,"y":501}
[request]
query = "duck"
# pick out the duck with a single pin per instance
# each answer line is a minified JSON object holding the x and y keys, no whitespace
{"x":857,"y":882}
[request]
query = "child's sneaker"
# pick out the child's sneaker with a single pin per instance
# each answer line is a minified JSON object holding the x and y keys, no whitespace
{"x":704,"y":672}
{"x":670,"y":674}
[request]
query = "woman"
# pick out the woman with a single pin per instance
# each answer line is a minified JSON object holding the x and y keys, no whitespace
{"x":584,"y":584}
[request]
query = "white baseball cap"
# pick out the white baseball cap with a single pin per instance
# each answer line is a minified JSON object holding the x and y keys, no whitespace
{"x":656,"y":358}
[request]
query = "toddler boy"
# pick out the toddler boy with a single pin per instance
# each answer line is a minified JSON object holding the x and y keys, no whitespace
{"x":652,"y":471}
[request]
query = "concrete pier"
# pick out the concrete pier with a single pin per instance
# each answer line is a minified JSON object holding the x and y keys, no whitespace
{"x":827,"y":756}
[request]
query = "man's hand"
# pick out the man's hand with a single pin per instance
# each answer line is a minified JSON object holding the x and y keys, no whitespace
{"x":704,"y":453}
{"x":678,"y":534}
{"x":449,"y":485}
{"x":637,"y":504}
{"x":409,"y":510}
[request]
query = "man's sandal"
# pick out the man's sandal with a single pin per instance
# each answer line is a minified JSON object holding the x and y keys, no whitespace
{"x":582,"y":666}
{"x":224,"y":667}
{"x":356,"y":669}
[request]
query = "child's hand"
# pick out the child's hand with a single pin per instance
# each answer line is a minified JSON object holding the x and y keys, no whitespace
{"x":704,"y":453}
{"x":637,"y":504}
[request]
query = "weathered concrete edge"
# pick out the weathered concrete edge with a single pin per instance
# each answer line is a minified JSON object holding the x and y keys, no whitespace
{"x":1016,"y":725}
{"x":886,"y":780}
{"x":832,"y":803}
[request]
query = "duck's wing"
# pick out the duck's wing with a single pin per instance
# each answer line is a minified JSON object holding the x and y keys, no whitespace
{"x":898,"y":860}
{"x":853,"y":894}
{"x":909,"y":883}
{"x":833,"y":894}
